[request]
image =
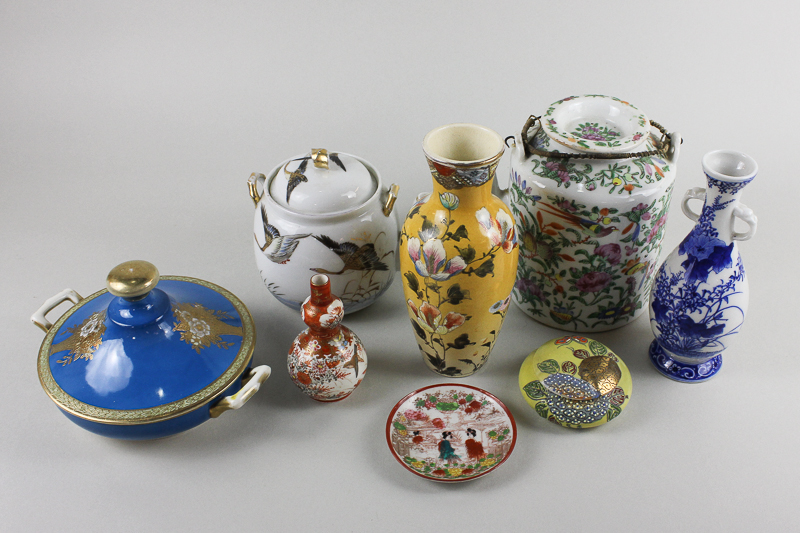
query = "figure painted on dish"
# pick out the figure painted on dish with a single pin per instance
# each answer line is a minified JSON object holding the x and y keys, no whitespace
{"x":446,"y":450}
{"x":474,"y":448}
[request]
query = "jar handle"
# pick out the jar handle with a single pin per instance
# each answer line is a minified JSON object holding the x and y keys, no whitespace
{"x":252,"y":186}
{"x":697,"y":193}
{"x":391,"y":198}
{"x":257,"y":376}
{"x":746,"y":214}
{"x":38,"y":317}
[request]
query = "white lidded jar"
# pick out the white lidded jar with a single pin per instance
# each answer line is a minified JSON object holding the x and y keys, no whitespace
{"x":329,"y":213}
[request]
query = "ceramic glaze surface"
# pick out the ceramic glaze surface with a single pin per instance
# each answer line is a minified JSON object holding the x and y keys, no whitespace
{"x":102,"y":363}
{"x":450,"y":432}
{"x":305,"y":188}
{"x":699,"y":299}
{"x":458,"y":258}
{"x":328,"y":226}
{"x":596,"y":123}
{"x":150,"y":365}
{"x":576,"y":382}
{"x":590,"y":230}
{"x":327,"y":361}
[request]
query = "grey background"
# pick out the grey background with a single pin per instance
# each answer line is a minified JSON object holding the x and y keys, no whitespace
{"x":128,"y":130}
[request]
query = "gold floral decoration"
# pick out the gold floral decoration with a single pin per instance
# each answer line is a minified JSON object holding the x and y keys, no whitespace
{"x":84,"y":339}
{"x":200,"y":327}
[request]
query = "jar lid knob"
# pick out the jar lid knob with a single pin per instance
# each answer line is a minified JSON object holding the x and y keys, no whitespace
{"x":132,"y":279}
{"x":320,"y":157}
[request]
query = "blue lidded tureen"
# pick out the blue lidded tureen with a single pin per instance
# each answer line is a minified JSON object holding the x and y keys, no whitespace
{"x":136,"y":361}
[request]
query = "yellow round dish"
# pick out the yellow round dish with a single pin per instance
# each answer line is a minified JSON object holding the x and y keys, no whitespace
{"x":576,"y":382}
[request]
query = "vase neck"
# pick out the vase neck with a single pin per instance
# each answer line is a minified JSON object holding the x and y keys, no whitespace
{"x":448,"y":190}
{"x":323,"y":311}
{"x":722,"y":197}
{"x":320,"y":291}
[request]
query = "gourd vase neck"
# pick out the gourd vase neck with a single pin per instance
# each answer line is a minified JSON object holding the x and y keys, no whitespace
{"x":321,"y":294}
{"x":323,"y":311}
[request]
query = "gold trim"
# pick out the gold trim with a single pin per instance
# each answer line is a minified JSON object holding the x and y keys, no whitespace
{"x":252,"y":186}
{"x":466,"y":165}
{"x":161,"y":412}
{"x":463,"y":165}
{"x":132,"y":279}
{"x":200,"y":327}
{"x":602,"y":372}
{"x":84,"y":339}
{"x":320,"y":157}
{"x":391,"y":199}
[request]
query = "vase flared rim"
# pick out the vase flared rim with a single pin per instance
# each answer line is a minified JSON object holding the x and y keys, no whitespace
{"x":480,"y":146}
{"x":730,"y":166}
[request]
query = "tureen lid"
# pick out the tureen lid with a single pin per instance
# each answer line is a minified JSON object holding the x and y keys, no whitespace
{"x":576,"y":368}
{"x":596,"y":123}
{"x":147,"y":348}
{"x":323,"y":182}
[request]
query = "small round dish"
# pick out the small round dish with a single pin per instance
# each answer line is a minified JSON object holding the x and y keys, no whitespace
{"x":596,"y":123}
{"x":450,"y":432}
{"x":576,"y":382}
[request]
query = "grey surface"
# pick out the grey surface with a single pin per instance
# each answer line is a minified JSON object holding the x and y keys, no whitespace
{"x":128,"y":131}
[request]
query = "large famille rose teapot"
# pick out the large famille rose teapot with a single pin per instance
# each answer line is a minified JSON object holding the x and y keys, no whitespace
{"x":591,"y":182}
{"x":327,"y":213}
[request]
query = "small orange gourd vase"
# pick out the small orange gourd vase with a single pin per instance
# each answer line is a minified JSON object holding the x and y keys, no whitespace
{"x":327,"y":361}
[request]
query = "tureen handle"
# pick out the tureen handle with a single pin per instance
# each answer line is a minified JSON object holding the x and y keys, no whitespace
{"x":38,"y":317}
{"x":696,"y":193}
{"x":252,"y":186}
{"x":257,"y":376}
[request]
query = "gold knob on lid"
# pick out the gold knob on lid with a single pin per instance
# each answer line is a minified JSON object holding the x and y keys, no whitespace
{"x":132,"y":279}
{"x":320,"y":157}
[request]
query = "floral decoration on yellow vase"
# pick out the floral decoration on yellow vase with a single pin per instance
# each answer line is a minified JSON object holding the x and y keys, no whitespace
{"x":458,"y":252}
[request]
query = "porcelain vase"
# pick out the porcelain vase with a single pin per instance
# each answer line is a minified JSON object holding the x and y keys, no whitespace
{"x":458,"y":252}
{"x":327,"y":361}
{"x":699,"y":298}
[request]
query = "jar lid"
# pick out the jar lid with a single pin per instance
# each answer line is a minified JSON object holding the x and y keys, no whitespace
{"x":322,"y":183}
{"x":567,"y":368}
{"x":596,"y":123}
{"x":135,"y":353}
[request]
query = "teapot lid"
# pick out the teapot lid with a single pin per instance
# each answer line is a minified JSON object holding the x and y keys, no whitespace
{"x":135,"y":353}
{"x":596,"y":123}
{"x":323,"y":182}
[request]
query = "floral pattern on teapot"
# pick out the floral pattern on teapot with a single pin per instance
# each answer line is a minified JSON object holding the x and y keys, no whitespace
{"x":618,"y":176}
{"x":569,"y":272}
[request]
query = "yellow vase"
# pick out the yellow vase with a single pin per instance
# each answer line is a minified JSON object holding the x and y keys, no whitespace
{"x":458,"y":252}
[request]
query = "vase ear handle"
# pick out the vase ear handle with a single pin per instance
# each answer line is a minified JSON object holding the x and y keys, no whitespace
{"x":697,"y":193}
{"x":746,"y":214}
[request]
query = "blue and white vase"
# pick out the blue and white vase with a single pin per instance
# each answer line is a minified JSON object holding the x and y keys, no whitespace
{"x":699,"y":298}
